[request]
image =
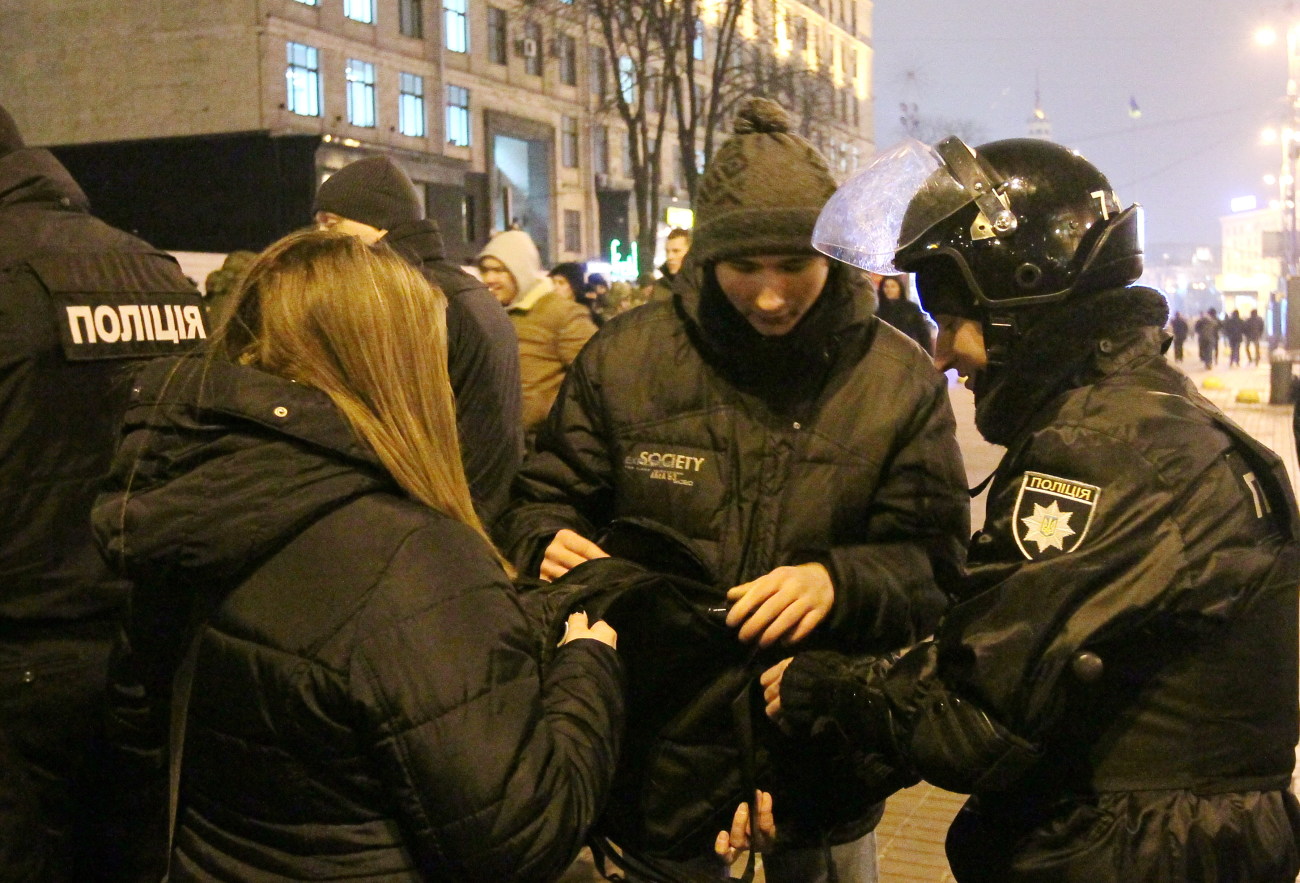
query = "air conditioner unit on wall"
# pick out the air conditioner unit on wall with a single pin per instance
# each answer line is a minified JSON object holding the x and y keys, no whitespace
{"x":530,"y":47}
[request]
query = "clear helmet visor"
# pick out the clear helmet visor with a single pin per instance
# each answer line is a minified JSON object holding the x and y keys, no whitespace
{"x":887,"y":206}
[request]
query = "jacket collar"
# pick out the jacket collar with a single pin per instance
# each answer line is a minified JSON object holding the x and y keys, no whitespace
{"x":530,"y":298}
{"x":417,"y":241}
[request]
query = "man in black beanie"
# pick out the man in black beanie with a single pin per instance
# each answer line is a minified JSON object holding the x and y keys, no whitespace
{"x":81,"y":303}
{"x":805,"y":449}
{"x":375,"y":200}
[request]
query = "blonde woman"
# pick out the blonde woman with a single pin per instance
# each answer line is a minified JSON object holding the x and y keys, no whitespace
{"x":366,"y":702}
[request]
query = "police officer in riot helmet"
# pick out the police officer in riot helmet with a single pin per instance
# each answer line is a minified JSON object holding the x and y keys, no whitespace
{"x":1115,"y":684}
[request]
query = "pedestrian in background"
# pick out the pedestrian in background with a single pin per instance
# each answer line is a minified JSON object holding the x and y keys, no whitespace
{"x":374,"y":199}
{"x":676,"y":246}
{"x":1207,"y":338}
{"x":1234,"y":329}
{"x":1116,"y":683}
{"x":366,"y":701}
{"x":815,"y":466}
{"x":81,"y":305}
{"x":1178,"y":328}
{"x":551,"y":327}
{"x":570,"y":280}
{"x":895,"y":307}
{"x":1254,"y":332}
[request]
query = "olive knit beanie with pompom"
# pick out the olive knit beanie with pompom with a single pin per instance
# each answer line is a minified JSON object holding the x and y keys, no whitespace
{"x":762,"y":191}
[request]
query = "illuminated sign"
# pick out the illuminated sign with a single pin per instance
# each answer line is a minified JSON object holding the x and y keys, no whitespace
{"x":623,"y":266}
{"x":676,"y":216}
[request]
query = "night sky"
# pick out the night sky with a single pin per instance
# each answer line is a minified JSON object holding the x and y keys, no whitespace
{"x":1204,"y":87}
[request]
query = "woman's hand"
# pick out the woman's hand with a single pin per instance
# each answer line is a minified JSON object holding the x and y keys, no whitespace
{"x":771,"y":683}
{"x":576,"y":629}
{"x":567,"y":550}
{"x":729,"y":844}
{"x":785,"y":604}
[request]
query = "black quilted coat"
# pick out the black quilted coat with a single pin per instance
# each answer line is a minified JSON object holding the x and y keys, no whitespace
{"x":367,"y":703}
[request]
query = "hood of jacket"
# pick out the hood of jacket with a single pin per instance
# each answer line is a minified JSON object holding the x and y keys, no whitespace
{"x":33,"y":175}
{"x":517,"y":251}
{"x":219,"y":467}
{"x":419,"y":242}
{"x":750,"y":359}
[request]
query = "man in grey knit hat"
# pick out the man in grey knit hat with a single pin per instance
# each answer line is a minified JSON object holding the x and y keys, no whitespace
{"x":375,"y":200}
{"x":805,"y":449}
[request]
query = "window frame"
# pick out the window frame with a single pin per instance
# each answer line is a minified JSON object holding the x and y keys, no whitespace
{"x":360,"y":78}
{"x":455,"y":26}
{"x":311,"y":75}
{"x":458,"y":121}
{"x":572,"y":227}
{"x":356,"y":9}
{"x":410,"y":18}
{"x":498,"y":35}
{"x":569,"y":142}
{"x":410,"y":105}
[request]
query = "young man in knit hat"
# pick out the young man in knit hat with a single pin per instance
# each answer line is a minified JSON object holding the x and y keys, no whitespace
{"x":806,"y":449}
{"x":81,"y":305}
{"x":374,"y":200}
{"x":552,"y":327}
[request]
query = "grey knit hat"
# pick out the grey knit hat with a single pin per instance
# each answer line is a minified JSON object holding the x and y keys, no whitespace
{"x":10,"y":138}
{"x":762,"y":190}
{"x":373,"y":190}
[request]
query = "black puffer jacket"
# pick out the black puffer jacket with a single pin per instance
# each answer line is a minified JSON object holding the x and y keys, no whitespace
{"x":1117,"y":684}
{"x":61,"y":400}
{"x":367,"y":704}
{"x":483,"y":360}
{"x":834,"y":443}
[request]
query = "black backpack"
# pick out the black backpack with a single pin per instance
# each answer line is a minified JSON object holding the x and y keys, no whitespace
{"x":697,"y":741}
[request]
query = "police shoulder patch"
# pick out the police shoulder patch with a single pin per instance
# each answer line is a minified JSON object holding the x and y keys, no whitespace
{"x":1052,"y":514}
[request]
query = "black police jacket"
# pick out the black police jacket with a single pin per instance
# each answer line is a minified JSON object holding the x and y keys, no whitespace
{"x":80,"y":304}
{"x":1117,"y":682}
{"x":367,"y":702}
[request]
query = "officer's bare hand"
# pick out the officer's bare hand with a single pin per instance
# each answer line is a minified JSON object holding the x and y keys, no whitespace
{"x":566,"y":551}
{"x":771,"y":683}
{"x":729,"y":844}
{"x":577,"y":629}
{"x":785,"y":604}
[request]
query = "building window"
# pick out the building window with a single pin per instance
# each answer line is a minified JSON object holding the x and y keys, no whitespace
{"x":410,"y":18}
{"x":456,"y":24}
{"x":697,"y":45}
{"x":600,"y":150}
{"x":569,"y":142}
{"x":597,"y":78}
{"x":361,"y":93}
{"x":568,"y":60}
{"x":307,"y":2}
{"x":572,"y":230}
{"x":627,"y":78}
{"x":496,"y":33}
{"x":458,"y":116}
{"x":533,"y":49}
{"x":302,"y":80}
{"x":410,"y":106}
{"x":627,"y":154}
{"x":360,"y":10}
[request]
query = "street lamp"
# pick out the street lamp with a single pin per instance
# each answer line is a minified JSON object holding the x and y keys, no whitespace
{"x":1289,"y":139}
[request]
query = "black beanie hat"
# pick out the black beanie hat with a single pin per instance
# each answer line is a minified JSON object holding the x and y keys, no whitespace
{"x":374,"y":191}
{"x":762,"y":191}
{"x":10,"y":138}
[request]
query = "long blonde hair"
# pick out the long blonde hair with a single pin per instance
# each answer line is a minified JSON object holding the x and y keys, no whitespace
{"x":358,"y":323}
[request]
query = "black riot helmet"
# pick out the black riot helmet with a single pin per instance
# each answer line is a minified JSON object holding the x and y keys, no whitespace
{"x":1013,"y":224}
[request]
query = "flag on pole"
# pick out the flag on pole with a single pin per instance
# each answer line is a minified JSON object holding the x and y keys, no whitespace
{"x":1133,"y":110}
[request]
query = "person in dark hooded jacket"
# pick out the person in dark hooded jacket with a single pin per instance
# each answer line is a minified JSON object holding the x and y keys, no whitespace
{"x":375,"y":199}
{"x":804,"y":448}
{"x":367,"y":701}
{"x":1116,"y":684}
{"x":81,"y":304}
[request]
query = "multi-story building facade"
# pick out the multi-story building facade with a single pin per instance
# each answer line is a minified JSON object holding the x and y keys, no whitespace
{"x":208,"y":126}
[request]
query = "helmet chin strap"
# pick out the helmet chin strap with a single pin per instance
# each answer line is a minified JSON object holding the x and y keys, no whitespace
{"x":1001,"y":331}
